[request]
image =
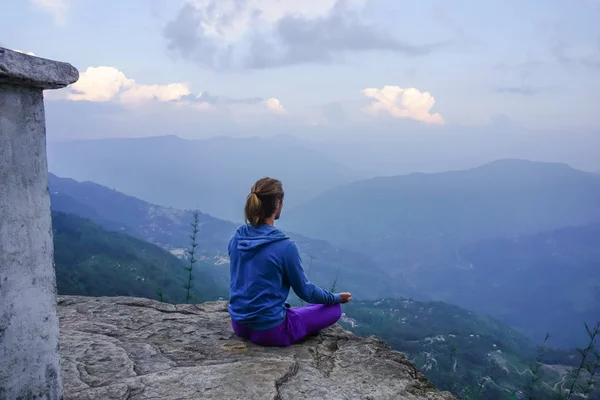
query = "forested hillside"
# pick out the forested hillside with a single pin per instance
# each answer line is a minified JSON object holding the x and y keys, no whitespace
{"x":91,"y":261}
{"x":473,"y":356}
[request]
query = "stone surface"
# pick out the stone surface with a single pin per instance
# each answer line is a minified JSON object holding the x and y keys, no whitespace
{"x":129,"y":348}
{"x":30,"y":71}
{"x":29,"y":361}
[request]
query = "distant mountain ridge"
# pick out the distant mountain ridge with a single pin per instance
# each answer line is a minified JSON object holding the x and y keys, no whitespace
{"x":214,"y":175}
{"x":412,"y":218}
{"x":167,"y":227}
{"x":170,"y":229}
{"x":506,"y":197}
{"x":417,"y":228}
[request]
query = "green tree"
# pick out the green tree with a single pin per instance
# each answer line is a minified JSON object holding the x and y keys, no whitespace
{"x":192,"y":253}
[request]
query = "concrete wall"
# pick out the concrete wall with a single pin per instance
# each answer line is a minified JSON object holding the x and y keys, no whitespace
{"x":29,"y":331}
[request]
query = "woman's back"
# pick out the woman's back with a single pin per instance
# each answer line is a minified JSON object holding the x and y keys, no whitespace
{"x":258,"y":289}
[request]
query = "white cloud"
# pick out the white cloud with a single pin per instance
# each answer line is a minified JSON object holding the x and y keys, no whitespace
{"x":99,"y":84}
{"x":203,"y":106}
{"x":402,"y":103}
{"x":29,"y":53}
{"x":170,"y":92}
{"x":274,"y":105}
{"x":108,"y":83}
{"x":58,"y":8}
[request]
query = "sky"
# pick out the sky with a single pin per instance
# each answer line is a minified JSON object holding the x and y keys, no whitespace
{"x":319,"y":68}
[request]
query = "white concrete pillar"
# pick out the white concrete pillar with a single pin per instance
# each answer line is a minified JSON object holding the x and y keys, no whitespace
{"x":29,"y":333}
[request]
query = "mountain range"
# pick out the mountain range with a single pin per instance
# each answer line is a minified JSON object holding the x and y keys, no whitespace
{"x":503,"y":198}
{"x":169,"y":228}
{"x":213,"y":175}
{"x":423,"y":230}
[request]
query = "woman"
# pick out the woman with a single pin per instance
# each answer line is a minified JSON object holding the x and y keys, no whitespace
{"x":264,"y":265}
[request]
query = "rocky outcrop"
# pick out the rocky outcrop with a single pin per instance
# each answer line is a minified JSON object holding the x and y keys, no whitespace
{"x":131,"y":348}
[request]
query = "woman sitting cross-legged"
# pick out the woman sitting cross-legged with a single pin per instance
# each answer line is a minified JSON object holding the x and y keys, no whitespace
{"x":265,"y":263}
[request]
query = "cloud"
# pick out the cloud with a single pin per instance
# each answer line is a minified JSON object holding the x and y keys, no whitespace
{"x":223,"y":34}
{"x":207,"y":101}
{"x":274,"y":105}
{"x":563,"y":54}
{"x":231,"y":20}
{"x":503,"y":66}
{"x":522,"y":90}
{"x":524,"y":69}
{"x":169,"y":92}
{"x":100,"y":84}
{"x":58,"y":8}
{"x":206,"y":97}
{"x":109,"y":85}
{"x":402,"y":103}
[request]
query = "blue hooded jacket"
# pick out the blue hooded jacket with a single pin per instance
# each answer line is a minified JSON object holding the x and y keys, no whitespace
{"x":264,"y":264}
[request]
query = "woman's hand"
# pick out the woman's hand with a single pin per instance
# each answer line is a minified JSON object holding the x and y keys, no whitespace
{"x":346,"y":297}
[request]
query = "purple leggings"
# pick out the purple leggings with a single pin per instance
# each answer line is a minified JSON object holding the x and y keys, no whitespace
{"x":299,"y":323}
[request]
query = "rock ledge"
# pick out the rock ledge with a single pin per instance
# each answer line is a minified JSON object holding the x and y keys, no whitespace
{"x":131,"y":348}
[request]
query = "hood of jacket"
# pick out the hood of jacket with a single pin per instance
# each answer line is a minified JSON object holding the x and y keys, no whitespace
{"x":249,"y":239}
